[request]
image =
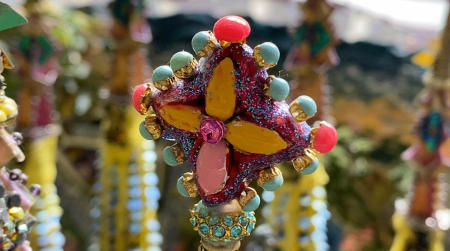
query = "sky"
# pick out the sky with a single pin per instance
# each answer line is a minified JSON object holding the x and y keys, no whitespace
{"x":417,"y":13}
{"x":428,"y":14}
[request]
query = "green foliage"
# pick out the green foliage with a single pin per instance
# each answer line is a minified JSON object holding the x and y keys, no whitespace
{"x":365,"y":178}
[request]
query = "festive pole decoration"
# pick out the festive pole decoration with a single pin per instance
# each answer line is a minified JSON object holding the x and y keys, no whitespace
{"x":303,"y":200}
{"x":39,"y":69}
{"x":15,"y":198}
{"x":228,"y":119}
{"x":420,"y":220}
{"x":129,"y":194}
{"x":313,"y":54}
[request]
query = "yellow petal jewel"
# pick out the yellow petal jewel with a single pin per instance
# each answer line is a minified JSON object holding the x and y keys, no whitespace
{"x":220,"y":94}
{"x":183,"y":117}
{"x":251,"y":138}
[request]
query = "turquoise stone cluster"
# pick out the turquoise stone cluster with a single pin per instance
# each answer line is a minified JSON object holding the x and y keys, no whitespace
{"x":224,"y":228}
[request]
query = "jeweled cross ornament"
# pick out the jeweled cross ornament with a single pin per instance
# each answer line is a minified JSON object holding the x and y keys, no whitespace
{"x":231,"y":123}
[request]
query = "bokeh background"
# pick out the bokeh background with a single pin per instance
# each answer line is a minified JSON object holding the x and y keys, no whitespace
{"x":385,"y":48}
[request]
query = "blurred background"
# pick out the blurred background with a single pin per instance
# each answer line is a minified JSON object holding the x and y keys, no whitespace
{"x":76,"y":65}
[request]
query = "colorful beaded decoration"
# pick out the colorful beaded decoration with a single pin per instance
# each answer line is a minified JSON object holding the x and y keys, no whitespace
{"x":229,"y":119}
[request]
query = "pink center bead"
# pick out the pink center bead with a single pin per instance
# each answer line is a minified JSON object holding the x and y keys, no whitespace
{"x":325,"y":138}
{"x":212,"y":130}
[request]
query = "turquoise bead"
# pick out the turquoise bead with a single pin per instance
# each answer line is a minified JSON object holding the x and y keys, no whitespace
{"x":253,"y":204}
{"x":235,"y":231}
{"x":162,"y":73}
{"x":218,"y":231}
{"x":200,"y":40}
{"x":227,"y":220}
{"x":198,"y":206}
{"x":180,"y":60}
{"x":243,"y":220}
{"x":213,"y":220}
{"x":180,"y":187}
{"x":269,"y":53}
{"x":194,"y":221}
{"x":307,"y":104}
{"x":203,"y":212}
{"x":250,"y":227}
{"x":311,"y":167}
{"x":169,"y":157}
{"x":279,"y":89}
{"x":274,"y":183}
{"x":144,"y":133}
{"x":204,"y":229}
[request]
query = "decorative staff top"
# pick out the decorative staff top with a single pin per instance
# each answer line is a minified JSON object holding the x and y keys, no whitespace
{"x":227,"y":114}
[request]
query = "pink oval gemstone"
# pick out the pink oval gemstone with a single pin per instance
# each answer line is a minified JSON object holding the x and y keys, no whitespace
{"x":211,"y":167}
{"x":231,"y":29}
{"x":212,"y":130}
{"x":137,"y":94}
{"x":325,"y":138}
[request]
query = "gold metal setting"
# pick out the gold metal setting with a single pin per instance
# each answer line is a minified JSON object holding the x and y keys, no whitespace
{"x":312,"y":134}
{"x":152,"y":126}
{"x":225,"y":44}
{"x":258,"y":58}
{"x":178,"y":152}
{"x":209,"y":47}
{"x":165,"y":84}
{"x":227,"y":235}
{"x":297,"y":112}
{"x":266,"y":87}
{"x":248,"y":194}
{"x":146,"y":99}
{"x":190,"y":185}
{"x":302,"y":162}
{"x":267,"y":174}
{"x":188,"y":70}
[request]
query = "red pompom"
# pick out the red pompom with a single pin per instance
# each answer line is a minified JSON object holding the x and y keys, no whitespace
{"x":232,"y":29}
{"x":325,"y":138}
{"x":137,"y":94}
